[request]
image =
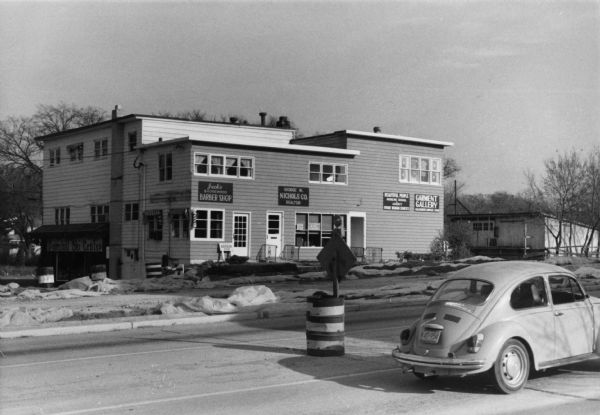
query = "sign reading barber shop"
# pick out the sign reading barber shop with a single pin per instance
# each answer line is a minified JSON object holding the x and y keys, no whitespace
{"x":215,"y":192}
{"x":427,"y":203}
{"x":292,"y":196}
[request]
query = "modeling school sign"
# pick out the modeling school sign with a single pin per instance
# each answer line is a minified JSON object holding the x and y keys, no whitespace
{"x":427,"y":203}
{"x":396,"y":201}
{"x":215,"y":192}
{"x":292,"y":196}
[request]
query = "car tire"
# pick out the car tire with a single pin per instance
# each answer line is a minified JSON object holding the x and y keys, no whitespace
{"x":511,"y":369}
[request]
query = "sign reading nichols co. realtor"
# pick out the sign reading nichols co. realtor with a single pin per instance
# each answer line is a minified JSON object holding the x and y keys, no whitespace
{"x":215,"y":192}
{"x":292,"y":196}
{"x":427,"y":203}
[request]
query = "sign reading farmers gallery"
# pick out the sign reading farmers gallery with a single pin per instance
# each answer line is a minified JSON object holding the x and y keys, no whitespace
{"x":292,"y":196}
{"x":396,"y":201}
{"x":427,"y":203}
{"x":215,"y":192}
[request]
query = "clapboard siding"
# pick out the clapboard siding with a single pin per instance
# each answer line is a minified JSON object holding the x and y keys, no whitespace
{"x":78,"y":184}
{"x":154,"y":129}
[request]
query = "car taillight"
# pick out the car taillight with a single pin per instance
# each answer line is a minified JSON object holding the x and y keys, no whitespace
{"x":474,"y":343}
{"x":405,"y":336}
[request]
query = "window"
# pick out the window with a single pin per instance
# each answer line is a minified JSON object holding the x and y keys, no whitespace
{"x":179,"y":225}
{"x":100,"y":148}
{"x":423,"y":170}
{"x":62,"y":216}
{"x":154,"y":219}
{"x":208,"y":224}
{"x":328,"y":173}
{"x":531,"y":293}
{"x":219,"y":165}
{"x":132,"y":140}
{"x":54,"y":154}
{"x":565,"y":289}
{"x":99,"y":214}
{"x":483,"y":226}
{"x":315,"y":229}
{"x":132,"y":211}
{"x":467,"y":292}
{"x":165,"y":167}
{"x":75,"y":152}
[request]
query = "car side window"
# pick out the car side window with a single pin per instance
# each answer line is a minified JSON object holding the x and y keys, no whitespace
{"x":565,"y":289}
{"x":530,"y":293}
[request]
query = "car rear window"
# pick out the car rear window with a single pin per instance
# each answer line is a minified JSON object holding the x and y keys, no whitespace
{"x":465,"y":291}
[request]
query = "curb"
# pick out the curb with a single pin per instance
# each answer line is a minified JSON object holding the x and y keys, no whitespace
{"x":130,"y":323}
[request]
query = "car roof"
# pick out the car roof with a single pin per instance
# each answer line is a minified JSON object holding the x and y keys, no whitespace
{"x":507,"y":272}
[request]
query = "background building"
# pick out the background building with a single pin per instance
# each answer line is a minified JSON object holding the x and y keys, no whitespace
{"x":138,"y":189}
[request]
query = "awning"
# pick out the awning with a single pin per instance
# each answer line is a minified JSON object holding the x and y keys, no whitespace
{"x":72,"y":230}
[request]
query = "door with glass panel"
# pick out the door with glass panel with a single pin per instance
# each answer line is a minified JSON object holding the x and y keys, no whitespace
{"x":241,"y":232}
{"x":274,"y":233}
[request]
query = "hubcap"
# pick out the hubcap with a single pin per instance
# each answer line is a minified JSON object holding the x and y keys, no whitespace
{"x":513,"y":367}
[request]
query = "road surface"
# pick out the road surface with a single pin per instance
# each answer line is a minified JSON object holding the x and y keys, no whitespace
{"x":259,"y":367}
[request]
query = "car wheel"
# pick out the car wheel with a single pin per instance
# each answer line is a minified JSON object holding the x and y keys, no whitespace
{"x":511,"y":369}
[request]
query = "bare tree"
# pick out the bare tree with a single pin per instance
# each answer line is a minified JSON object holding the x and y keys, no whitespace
{"x":590,"y":208}
{"x":21,"y":160}
{"x":560,"y":191}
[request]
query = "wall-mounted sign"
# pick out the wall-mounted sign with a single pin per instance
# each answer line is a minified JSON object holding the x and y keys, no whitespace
{"x":292,"y":196}
{"x":427,"y":203}
{"x":215,"y":192}
{"x":75,"y":245}
{"x":396,"y":201}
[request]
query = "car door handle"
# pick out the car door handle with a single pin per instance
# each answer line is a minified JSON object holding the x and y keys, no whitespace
{"x":558,"y":313}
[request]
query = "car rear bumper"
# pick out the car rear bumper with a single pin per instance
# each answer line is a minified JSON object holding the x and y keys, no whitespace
{"x":446,"y":365}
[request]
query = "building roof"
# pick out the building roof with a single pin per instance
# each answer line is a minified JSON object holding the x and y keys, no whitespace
{"x":257,"y":143}
{"x":381,"y":136}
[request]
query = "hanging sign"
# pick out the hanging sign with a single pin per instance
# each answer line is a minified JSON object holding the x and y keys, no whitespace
{"x":215,"y":192}
{"x":292,"y":196}
{"x":396,"y":201}
{"x":427,"y":203}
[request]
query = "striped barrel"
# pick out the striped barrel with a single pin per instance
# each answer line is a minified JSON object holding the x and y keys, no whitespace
{"x":153,"y":270}
{"x":45,"y":276}
{"x":325,"y":326}
{"x":98,"y":272}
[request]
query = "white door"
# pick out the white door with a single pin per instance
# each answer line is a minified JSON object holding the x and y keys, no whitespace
{"x":241,"y":228}
{"x":274,"y":233}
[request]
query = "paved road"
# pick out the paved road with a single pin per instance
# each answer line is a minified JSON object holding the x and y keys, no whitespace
{"x":258,"y":367}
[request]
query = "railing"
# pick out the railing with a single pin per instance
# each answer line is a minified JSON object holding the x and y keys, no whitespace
{"x":267,"y":253}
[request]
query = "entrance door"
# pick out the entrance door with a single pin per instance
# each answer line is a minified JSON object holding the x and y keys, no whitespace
{"x":274,"y":233}
{"x":241,"y":227}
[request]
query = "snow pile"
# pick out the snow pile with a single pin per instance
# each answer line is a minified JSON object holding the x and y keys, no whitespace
{"x":587,"y":273}
{"x":241,"y":298}
{"x":31,"y":317}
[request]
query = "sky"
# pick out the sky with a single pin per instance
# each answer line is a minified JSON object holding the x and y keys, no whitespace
{"x":510,"y":83}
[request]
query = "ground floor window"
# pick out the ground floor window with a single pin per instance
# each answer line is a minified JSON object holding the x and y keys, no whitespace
{"x":179,"y":224}
{"x":208,"y":224}
{"x":315,"y":229}
{"x":154,"y":220}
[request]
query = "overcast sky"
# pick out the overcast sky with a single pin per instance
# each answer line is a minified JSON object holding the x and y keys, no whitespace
{"x":510,"y":83}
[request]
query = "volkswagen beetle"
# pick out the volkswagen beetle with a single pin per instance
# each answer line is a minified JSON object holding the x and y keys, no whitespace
{"x":504,"y":318}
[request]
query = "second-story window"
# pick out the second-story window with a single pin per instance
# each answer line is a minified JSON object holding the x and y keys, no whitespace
{"x":100,"y":148}
{"x":219,"y":165}
{"x":422,"y":170}
{"x":62,"y":216}
{"x":75,"y":152}
{"x":132,"y":211}
{"x":327,"y":173}
{"x":165,"y":167}
{"x":132,"y":140}
{"x":99,"y":213}
{"x":54,"y":154}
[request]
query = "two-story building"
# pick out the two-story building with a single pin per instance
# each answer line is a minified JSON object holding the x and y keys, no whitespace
{"x":136,"y":189}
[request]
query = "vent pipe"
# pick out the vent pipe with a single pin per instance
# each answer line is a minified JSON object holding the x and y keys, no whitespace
{"x":115,"y":112}
{"x":376,"y":129}
{"x":263,"y":118}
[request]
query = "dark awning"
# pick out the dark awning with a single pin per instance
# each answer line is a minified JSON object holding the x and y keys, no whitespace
{"x":76,"y":229}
